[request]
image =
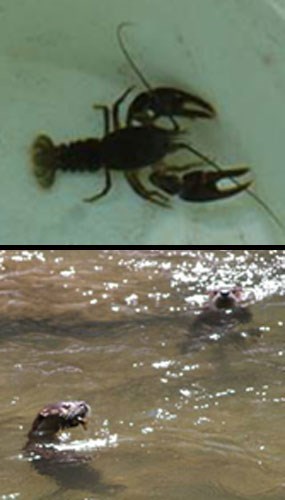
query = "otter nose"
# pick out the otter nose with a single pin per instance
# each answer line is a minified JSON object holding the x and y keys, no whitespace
{"x":85,"y":407}
{"x":225,"y":293}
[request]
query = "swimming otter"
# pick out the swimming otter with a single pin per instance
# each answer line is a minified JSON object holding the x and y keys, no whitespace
{"x":69,"y":468}
{"x":220,"y":318}
{"x":42,"y":437}
{"x":224,"y":305}
{"x":56,"y":417}
{"x":225,"y":298}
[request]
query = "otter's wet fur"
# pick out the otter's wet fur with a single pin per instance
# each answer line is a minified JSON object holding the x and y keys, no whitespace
{"x":69,"y":468}
{"x":222,"y":318}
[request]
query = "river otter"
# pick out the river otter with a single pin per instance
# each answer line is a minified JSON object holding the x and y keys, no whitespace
{"x":68,"y":467}
{"x":43,"y":439}
{"x":56,"y":417}
{"x":220,"y":318}
{"x":223,"y":305}
{"x":225,"y":299}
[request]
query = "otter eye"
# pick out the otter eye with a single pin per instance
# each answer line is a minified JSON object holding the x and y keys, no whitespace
{"x":237,"y":292}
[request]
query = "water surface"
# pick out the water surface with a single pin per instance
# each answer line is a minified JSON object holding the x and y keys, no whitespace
{"x":204,"y":422}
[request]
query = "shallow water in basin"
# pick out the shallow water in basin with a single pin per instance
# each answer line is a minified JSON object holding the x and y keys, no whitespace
{"x":110,"y":327}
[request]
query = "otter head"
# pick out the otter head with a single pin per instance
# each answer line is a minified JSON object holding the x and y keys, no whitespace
{"x":225,"y":298}
{"x":59,"y":416}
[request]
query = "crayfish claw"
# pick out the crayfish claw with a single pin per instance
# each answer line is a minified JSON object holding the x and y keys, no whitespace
{"x":193,"y":106}
{"x":203,"y":186}
{"x":162,"y":102}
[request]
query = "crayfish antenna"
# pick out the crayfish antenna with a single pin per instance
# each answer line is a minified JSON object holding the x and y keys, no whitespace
{"x":128,"y":56}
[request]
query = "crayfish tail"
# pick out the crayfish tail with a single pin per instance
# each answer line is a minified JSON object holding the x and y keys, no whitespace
{"x":44,"y":161}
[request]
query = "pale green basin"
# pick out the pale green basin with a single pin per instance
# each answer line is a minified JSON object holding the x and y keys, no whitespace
{"x":58,"y":57}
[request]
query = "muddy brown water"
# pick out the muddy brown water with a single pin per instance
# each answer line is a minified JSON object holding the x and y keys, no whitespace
{"x":206,"y":422}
